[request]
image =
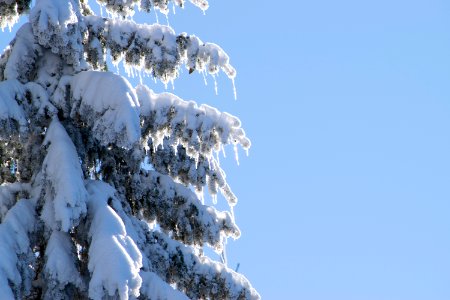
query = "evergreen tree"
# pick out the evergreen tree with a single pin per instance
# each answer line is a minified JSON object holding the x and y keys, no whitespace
{"x":101,"y":183}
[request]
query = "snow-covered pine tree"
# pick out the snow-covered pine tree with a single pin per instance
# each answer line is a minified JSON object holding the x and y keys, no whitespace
{"x":101,"y":182}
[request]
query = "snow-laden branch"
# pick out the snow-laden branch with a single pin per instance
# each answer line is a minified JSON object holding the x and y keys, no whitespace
{"x":12,"y":116}
{"x":165,"y":201}
{"x":18,"y":104}
{"x":9,"y":192}
{"x":153,"y":287}
{"x":197,"y":276}
{"x":162,"y":5}
{"x":65,"y":194}
{"x":10,"y":11}
{"x":127,"y":7}
{"x":18,"y":60}
{"x":155,"y":48}
{"x":16,"y":256}
{"x":60,"y":268}
{"x":104,"y":101}
{"x":114,"y":259}
{"x":200,"y":129}
{"x":200,"y":172}
{"x":58,"y":25}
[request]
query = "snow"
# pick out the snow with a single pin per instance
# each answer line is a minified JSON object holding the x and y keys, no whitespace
{"x":63,"y":121}
{"x":22,"y":55}
{"x":173,"y":160}
{"x":119,"y":7}
{"x":40,"y":100}
{"x":108,"y":103}
{"x":10,"y":11}
{"x":197,"y":276}
{"x":126,"y":8}
{"x":196,"y":223}
{"x":154,"y":287}
{"x":114,"y":259}
{"x":155,"y":49}
{"x":60,"y":260}
{"x":66,"y":195}
{"x":15,"y":243}
{"x":57,"y":25}
{"x":8,"y":195}
{"x":12,"y":116}
{"x":200,"y":129}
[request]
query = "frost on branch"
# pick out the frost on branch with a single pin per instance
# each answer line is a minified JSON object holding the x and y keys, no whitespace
{"x":197,"y":276}
{"x":114,"y":259}
{"x":177,"y":210}
{"x":58,"y":26}
{"x":16,"y":256}
{"x":162,"y":5}
{"x":189,"y":135}
{"x":65,"y":194}
{"x":126,"y":7}
{"x":154,"y":48}
{"x":10,"y":11}
{"x":174,"y":161}
{"x":100,"y":160}
{"x":119,"y":7}
{"x":200,"y":129}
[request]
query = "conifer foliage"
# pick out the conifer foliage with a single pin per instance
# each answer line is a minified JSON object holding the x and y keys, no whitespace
{"x":101,"y":182}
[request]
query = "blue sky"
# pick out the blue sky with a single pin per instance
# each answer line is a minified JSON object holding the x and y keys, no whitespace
{"x":345,"y":194}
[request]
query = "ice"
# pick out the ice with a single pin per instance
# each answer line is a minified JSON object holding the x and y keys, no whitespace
{"x":102,"y":183}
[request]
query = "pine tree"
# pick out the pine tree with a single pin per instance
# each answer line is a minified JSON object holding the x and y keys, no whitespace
{"x":101,"y":182}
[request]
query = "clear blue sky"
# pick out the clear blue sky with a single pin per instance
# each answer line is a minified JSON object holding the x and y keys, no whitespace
{"x":346,"y":192}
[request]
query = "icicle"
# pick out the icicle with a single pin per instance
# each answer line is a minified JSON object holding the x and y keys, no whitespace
{"x":140,"y":77}
{"x":196,"y":158}
{"x":204,"y":77}
{"x":223,"y":255}
{"x":167,"y":18}
{"x":156,"y":16}
{"x":234,"y":89}
{"x":217,"y":157}
{"x":223,"y":151}
{"x":173,"y":8}
{"x":200,"y":195}
{"x":209,"y":164}
{"x":232,"y":213}
{"x":214,"y":199}
{"x":215,"y":84}
{"x":236,"y":153}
